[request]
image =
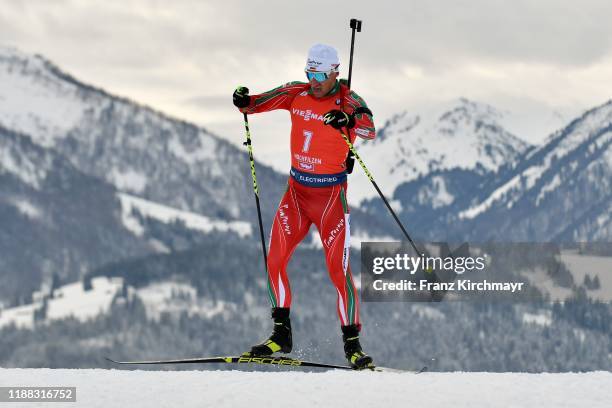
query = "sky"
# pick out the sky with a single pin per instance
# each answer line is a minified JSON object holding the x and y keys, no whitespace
{"x":541,"y":62}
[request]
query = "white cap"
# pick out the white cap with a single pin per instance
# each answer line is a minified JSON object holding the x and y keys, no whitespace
{"x":322,"y":58}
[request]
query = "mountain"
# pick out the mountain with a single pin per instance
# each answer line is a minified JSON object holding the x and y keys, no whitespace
{"x":469,"y":179}
{"x":462,"y":135}
{"x":559,"y":191}
{"x":89,"y":178}
{"x":135,"y":148}
{"x":432,"y":163}
{"x":56,"y":221}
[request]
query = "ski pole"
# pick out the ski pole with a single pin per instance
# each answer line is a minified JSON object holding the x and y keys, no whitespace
{"x":249,"y":146}
{"x":355,"y":25}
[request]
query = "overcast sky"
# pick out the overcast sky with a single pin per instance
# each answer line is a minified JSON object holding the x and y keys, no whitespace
{"x":538,"y":60}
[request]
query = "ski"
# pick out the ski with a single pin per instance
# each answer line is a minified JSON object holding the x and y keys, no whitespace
{"x":279,"y":361}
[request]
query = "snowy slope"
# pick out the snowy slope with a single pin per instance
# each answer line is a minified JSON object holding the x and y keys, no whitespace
{"x":594,"y":266}
{"x":20,"y":159}
{"x":561,"y":189}
{"x":166,"y":214}
{"x":178,"y":298}
{"x":461,"y":134}
{"x":70,"y":300}
{"x":146,"y":389}
{"x":34,"y":100}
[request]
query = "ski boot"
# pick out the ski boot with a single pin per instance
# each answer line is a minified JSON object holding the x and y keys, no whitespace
{"x":280,"y":340}
{"x":352,"y":348}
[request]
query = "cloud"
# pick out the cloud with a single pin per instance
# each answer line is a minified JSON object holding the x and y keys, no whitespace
{"x":208,"y":100}
{"x":184,"y":56}
{"x":425,"y":32}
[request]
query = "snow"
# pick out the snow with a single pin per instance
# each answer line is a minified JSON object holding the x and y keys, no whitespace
{"x":26,"y":208}
{"x":495,"y":196}
{"x":69,"y":300}
{"x":581,"y":265}
{"x":604,"y":225}
{"x":542,"y":280}
{"x":41,"y":101}
{"x":550,"y":186}
{"x":591,"y":121}
{"x":338,"y":389}
{"x":533,"y":173}
{"x":427,"y":312}
{"x":521,"y":182}
{"x":129,"y":180}
{"x":20,"y":316}
{"x":176,"y":298}
{"x":195,"y":156}
{"x":541,"y":319}
{"x":437,"y":195}
{"x":33,"y":100}
{"x":73,"y":300}
{"x":156,"y":244}
{"x":168,"y":214}
{"x":13,"y":161}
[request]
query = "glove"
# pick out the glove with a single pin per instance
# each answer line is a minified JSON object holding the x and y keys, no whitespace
{"x":241,"y":97}
{"x":339,"y":119}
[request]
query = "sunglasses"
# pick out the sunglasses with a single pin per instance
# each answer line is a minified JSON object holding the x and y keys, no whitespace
{"x":317,"y":76}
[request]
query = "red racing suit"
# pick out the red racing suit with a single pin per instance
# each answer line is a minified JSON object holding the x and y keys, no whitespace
{"x":316,"y":191}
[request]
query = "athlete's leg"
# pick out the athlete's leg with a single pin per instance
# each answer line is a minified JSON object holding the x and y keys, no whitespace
{"x":290,"y":226}
{"x":334,"y":229}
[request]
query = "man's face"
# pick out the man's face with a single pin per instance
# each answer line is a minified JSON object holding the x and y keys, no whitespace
{"x":320,"y":89}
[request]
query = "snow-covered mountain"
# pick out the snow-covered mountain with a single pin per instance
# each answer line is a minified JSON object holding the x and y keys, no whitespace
{"x":147,"y":154}
{"x":58,"y":222}
{"x":462,"y":135}
{"x":561,"y":190}
{"x":470,"y":179}
{"x":136,"y":149}
{"x":432,"y":164}
{"x":55,"y":219}
{"x":89,"y":178}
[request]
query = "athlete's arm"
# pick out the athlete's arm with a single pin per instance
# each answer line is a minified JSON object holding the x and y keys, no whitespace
{"x":364,"y":120}
{"x":277,"y":98}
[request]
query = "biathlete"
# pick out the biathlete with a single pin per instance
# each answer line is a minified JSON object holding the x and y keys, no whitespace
{"x":316,"y":190}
